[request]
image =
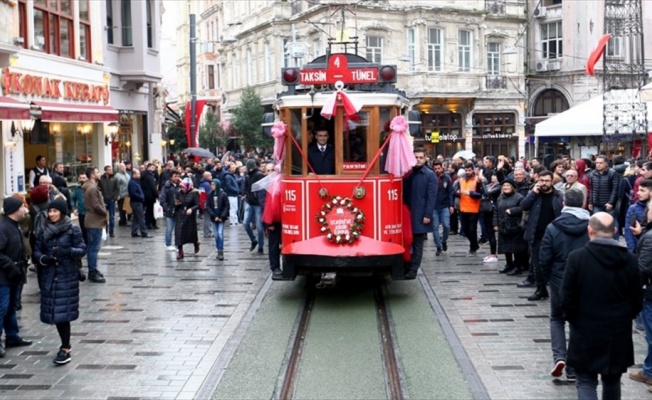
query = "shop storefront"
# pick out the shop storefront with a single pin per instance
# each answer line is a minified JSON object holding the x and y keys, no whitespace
{"x":66,"y":118}
{"x":443,"y":134}
{"x":494,"y":133}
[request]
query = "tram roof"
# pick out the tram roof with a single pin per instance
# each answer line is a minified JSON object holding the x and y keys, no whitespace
{"x":320,"y":99}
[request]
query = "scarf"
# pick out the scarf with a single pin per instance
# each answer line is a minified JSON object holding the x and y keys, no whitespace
{"x":53,"y":230}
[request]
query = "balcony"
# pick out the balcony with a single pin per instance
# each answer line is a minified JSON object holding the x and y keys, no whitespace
{"x":494,"y":82}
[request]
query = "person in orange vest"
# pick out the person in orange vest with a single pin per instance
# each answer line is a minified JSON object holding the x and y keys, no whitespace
{"x":470,"y":193}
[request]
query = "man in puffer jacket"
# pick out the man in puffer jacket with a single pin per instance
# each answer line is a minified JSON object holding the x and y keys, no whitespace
{"x":565,"y":234}
{"x":637,"y":212}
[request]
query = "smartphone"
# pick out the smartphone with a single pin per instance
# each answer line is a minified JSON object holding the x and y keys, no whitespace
{"x":633,"y":222}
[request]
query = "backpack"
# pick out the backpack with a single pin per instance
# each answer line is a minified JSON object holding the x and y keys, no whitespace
{"x":39,"y":221}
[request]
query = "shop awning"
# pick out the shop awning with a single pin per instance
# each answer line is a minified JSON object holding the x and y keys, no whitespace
{"x":584,"y":119}
{"x":75,"y":112}
{"x":13,"y":109}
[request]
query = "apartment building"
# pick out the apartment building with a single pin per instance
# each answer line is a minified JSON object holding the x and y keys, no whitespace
{"x":459,"y":62}
{"x":561,"y":35}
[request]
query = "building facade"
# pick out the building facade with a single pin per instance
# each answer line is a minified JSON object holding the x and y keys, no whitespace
{"x":58,"y":87}
{"x":459,"y":62}
{"x":561,"y":35}
{"x":131,"y":45}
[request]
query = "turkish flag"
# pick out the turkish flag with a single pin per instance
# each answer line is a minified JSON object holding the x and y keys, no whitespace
{"x":192,"y":137}
{"x":596,"y":54}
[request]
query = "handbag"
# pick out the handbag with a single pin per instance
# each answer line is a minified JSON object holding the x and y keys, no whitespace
{"x":486,"y":205}
{"x":510,"y":228}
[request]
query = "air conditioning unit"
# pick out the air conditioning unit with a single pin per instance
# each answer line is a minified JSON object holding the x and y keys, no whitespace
{"x":554,"y":66}
{"x":539,"y":12}
{"x":542,"y":66}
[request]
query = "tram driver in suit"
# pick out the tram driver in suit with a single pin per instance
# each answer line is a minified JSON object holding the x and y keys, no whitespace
{"x":321,"y":155}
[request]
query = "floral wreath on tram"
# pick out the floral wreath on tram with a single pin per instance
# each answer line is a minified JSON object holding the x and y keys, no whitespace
{"x":346,"y":210}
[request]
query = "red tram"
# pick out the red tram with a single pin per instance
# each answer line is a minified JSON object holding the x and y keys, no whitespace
{"x":348,"y":221}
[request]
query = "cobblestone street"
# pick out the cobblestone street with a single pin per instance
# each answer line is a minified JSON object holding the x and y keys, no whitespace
{"x":159,"y":328}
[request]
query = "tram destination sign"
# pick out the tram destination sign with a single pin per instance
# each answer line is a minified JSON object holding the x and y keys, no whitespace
{"x":338,"y":70}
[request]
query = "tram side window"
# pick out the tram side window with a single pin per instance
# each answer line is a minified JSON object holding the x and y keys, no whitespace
{"x":355,"y":137}
{"x":385,"y":115}
{"x":295,"y":126}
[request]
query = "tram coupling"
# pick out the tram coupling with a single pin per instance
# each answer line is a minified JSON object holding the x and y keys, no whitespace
{"x":328,"y":280}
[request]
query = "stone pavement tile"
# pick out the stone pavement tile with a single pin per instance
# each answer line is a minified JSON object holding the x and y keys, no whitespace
{"x":505,"y":336}
{"x":152,"y":318}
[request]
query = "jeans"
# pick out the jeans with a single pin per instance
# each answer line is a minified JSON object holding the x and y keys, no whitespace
{"x":558,"y":328}
{"x":417,"y":250}
{"x":483,"y":227}
{"x":233,"y":209}
{"x":82,"y":226}
{"x":611,"y":212}
{"x":8,"y":303}
{"x":93,"y":247}
{"x":469,"y":224}
{"x":490,"y":234}
{"x":169,"y":230}
{"x":110,"y":208}
{"x":218,"y":232}
{"x":442,"y":217}
{"x":207,"y":224}
{"x":587,"y":383}
{"x":257,"y":213}
{"x":535,"y":274}
{"x":646,"y":316}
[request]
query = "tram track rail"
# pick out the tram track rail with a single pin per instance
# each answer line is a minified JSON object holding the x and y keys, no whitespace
{"x":394,"y":379}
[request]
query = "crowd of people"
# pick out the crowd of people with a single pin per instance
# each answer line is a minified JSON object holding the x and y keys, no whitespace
{"x":559,"y":221}
{"x":42,"y":234}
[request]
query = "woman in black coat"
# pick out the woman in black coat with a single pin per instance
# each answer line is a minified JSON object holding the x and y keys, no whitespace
{"x":58,"y":246}
{"x":217,"y":206}
{"x":186,"y":204}
{"x":507,"y":222}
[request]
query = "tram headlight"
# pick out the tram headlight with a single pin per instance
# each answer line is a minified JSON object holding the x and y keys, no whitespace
{"x":387,"y":74}
{"x":290,"y":76}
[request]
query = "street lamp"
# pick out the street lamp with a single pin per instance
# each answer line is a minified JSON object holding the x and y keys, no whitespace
{"x":110,"y":134}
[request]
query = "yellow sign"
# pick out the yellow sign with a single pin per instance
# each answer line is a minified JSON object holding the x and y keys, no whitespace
{"x":434,"y":137}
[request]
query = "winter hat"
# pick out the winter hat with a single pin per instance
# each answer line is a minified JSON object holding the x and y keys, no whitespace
{"x":11,"y":205}
{"x":251,"y":164}
{"x":510,"y":181}
{"x":40,"y":194}
{"x":60,"y":205}
{"x":218,"y":184}
{"x":186,"y":183}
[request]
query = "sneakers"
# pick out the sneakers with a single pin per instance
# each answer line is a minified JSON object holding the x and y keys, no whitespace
{"x":472,"y":252}
{"x":260,"y":251}
{"x":220,"y":255}
{"x":277,"y":273}
{"x":490,"y":259}
{"x":444,"y":246}
{"x":63,"y":357}
{"x":438,"y":253}
{"x":171,"y":248}
{"x":558,"y":369}
{"x":639,"y":376}
{"x":253,"y":245}
{"x":573,"y":378}
{"x":96,"y":276}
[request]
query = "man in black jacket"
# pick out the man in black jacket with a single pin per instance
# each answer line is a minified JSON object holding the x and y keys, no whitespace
{"x":110,"y":189}
{"x":148,"y":183}
{"x":605,"y":185}
{"x":600,"y":295}
{"x":543,"y":205}
{"x":443,"y":207}
{"x":321,"y":155}
{"x":166,"y":199}
{"x":567,"y":232}
{"x":12,"y":270}
{"x":253,"y":207}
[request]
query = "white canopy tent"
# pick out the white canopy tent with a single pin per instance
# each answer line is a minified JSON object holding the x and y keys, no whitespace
{"x":585,"y":119}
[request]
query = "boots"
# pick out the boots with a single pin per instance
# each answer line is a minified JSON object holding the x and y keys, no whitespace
{"x":540,"y":294}
{"x":515,"y":271}
{"x":180,"y":253}
{"x":220,"y":255}
{"x":507,"y":269}
{"x":196,"y":247}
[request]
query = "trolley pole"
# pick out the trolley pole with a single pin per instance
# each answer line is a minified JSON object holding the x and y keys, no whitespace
{"x":193,"y":82}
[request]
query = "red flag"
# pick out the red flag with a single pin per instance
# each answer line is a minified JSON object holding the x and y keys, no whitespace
{"x":596,"y":54}
{"x":192,"y":137}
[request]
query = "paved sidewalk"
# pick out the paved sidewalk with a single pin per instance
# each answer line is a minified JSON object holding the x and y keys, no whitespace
{"x":153,"y":330}
{"x":506,"y":336}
